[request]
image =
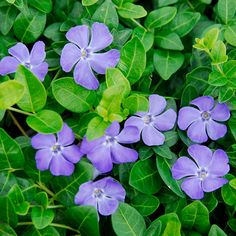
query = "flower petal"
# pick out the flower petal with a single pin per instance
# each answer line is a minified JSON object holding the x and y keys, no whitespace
{"x":79,"y":35}
{"x":100,"y":37}
{"x":60,"y":166}
{"x":197,"y":132}
{"x":186,"y":116}
{"x":211,"y":184}
{"x":135,"y":121}
{"x":183,"y":167}
{"x":85,"y":191}
{"x":88,"y":146}
{"x":130,"y":134}
{"x":20,"y":52}
{"x":215,"y":130}
{"x":152,"y":137}
{"x":70,"y":55}
{"x":37,"y":54}
{"x":41,"y":70}
{"x":43,"y":141}
{"x":113,"y":129}
{"x":72,"y":153}
{"x":107,"y":206}
{"x":204,"y":103}
{"x":84,"y":76}
{"x":101,"y":61}
{"x":201,"y":154}
{"x":65,"y":136}
{"x":157,"y":104}
{"x":166,"y":120}
{"x":220,"y":112}
{"x":43,"y":158}
{"x":101,"y":158}
{"x":219,"y":165}
{"x":121,"y":154}
{"x":192,"y":187}
{"x":8,"y":65}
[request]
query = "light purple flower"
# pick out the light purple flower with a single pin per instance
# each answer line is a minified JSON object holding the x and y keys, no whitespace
{"x":105,"y":151}
{"x":34,"y":60}
{"x":103,"y":194}
{"x":57,"y":154}
{"x":152,"y":122}
{"x":82,"y":50}
{"x":203,"y":173}
{"x":201,"y":123}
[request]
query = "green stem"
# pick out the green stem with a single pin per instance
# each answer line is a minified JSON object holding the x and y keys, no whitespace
{"x":157,"y":85}
{"x":55,"y":206}
{"x":138,"y":24}
{"x":57,"y":75}
{"x":54,"y":68}
{"x":20,"y":111}
{"x":219,"y":69}
{"x":43,"y":187}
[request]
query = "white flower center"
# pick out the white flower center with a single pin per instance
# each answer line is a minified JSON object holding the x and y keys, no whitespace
{"x":56,"y":149}
{"x":202,"y":173}
{"x":147,"y":119}
{"x":84,"y":53}
{"x":98,"y":193}
{"x":27,"y":65}
{"x":206,"y":115}
{"x":110,"y":140}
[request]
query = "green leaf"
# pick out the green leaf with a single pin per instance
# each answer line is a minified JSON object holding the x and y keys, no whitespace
{"x":226,"y":10}
{"x":6,"y":230}
{"x":87,"y":3}
{"x":184,"y":22}
{"x":41,"y":199}
{"x":66,"y":187}
{"x":10,"y":93}
{"x":7,"y":213}
{"x":32,"y":231}
{"x":229,"y":69}
{"x":225,"y":94}
{"x":218,"y":53}
{"x":167,"y":62}
{"x":163,"y":3}
{"x":230,"y":34}
{"x":34,"y":97}
{"x":96,"y":128}
{"x":127,"y":221}
{"x":133,"y":60}
{"x":72,"y":96}
{"x":106,"y":13}
{"x":163,"y":167}
{"x":115,"y":77}
{"x":228,"y":193}
{"x":195,"y":216}
{"x":131,"y":11}
{"x":42,"y":5}
{"x":144,"y":177}
{"x":7,"y":180}
{"x":154,"y":229}
{"x":7,"y":18}
{"x":171,"y":138}
{"x":145,"y":152}
{"x":211,"y":37}
{"x":217,"y":79}
{"x":168,"y":40}
{"x":45,"y":121}
{"x":145,"y":204}
{"x":189,"y":93}
{"x":83,"y":218}
{"x":29,"y":25}
{"x":160,"y":17}
{"x":135,"y":103}
{"x":11,"y":156}
{"x":164,"y":151}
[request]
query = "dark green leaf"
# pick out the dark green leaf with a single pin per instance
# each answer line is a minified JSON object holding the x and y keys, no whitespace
{"x":42,"y":5}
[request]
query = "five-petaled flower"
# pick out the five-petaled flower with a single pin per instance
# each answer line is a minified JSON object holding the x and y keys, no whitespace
{"x":105,"y":151}
{"x":83,"y":54}
{"x":152,"y":122}
{"x":201,"y":122}
{"x":57,"y":154}
{"x":103,"y":194}
{"x":203,"y":173}
{"x":34,"y":60}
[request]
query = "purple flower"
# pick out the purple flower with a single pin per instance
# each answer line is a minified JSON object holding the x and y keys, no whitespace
{"x":203,"y":173}
{"x":82,"y":52}
{"x":103,"y":194}
{"x":201,"y":122}
{"x":105,"y":151}
{"x":34,"y":60}
{"x":57,"y":154}
{"x":152,"y":122}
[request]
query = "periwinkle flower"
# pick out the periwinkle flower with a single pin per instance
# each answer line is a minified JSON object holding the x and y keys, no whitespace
{"x":57,"y":154}
{"x":204,"y":121}
{"x":152,"y":122}
{"x":82,"y":52}
{"x":103,"y":194}
{"x":34,"y":60}
{"x":203,"y":173}
{"x":105,"y":151}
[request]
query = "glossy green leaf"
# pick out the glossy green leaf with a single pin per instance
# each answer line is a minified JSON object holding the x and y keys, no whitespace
{"x":225,"y":94}
{"x":217,"y":79}
{"x":164,"y":151}
{"x":210,"y":38}
{"x":48,"y":231}
{"x":42,"y":5}
{"x":189,"y":93}
{"x":167,"y":62}
{"x":226,"y":10}
{"x":216,"y":231}
{"x":6,"y":230}
{"x":132,"y":60}
{"x":228,"y":193}
{"x":7,"y":180}
{"x":144,"y":177}
{"x":162,"y":3}
{"x":88,"y":2}
{"x":230,"y":34}
{"x":130,"y":10}
{"x":45,"y":121}
{"x":127,"y":221}
{"x":10,"y":93}
{"x":218,"y":53}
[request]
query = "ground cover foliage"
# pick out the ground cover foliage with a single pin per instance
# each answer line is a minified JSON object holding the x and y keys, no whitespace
{"x":118,"y":117}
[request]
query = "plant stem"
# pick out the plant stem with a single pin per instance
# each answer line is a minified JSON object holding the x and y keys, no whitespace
{"x":17,"y":124}
{"x":20,"y":111}
{"x":157,"y":85}
{"x":56,"y":206}
{"x":43,"y":187}
{"x":57,"y":75}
